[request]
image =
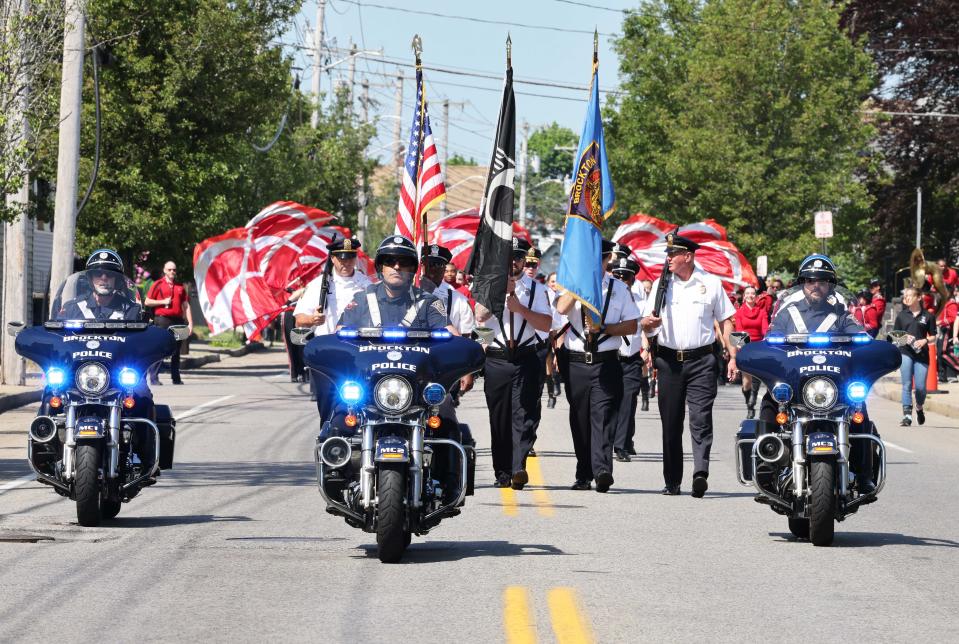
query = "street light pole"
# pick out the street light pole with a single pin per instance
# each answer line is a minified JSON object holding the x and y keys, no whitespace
{"x":317,"y":62}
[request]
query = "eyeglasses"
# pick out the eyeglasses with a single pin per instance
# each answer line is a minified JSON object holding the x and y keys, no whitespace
{"x":402,"y":262}
{"x":171,"y":270}
{"x":674,"y":253}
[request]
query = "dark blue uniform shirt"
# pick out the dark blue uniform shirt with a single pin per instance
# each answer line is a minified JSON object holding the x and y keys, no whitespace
{"x":813,"y":316}
{"x":431,"y":314}
{"x":118,"y":308}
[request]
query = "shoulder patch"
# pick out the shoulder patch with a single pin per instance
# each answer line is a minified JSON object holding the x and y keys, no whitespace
{"x":439,"y":306}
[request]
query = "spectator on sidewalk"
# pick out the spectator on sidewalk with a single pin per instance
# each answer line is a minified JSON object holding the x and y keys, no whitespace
{"x":947,"y":322}
{"x":172,"y":304}
{"x":918,"y":323}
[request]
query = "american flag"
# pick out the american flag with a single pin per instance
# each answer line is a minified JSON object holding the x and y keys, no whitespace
{"x":422,"y":186}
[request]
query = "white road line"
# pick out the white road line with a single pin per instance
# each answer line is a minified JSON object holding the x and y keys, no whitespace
{"x":894,"y":446}
{"x":194,"y":410}
{"x":4,"y":487}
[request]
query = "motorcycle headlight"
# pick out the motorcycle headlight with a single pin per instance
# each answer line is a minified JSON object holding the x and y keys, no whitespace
{"x":434,"y":393}
{"x":819,"y":393}
{"x":128,"y":377}
{"x":92,"y":378}
{"x":393,"y":394}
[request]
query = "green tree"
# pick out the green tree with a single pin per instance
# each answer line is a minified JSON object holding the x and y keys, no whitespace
{"x":550,"y":143}
{"x":459,"y":159}
{"x":745,"y":111}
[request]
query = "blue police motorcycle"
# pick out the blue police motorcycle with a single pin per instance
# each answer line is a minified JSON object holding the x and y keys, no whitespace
{"x":98,"y":438}
{"x":386,"y":461}
{"x":800,"y":465}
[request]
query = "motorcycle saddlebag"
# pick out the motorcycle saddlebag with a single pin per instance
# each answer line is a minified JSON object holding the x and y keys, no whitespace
{"x":745,"y":438}
{"x":167,"y":426}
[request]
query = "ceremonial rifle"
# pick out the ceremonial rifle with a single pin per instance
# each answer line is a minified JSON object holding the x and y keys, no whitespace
{"x":661,"y":295}
{"x":327,"y":276}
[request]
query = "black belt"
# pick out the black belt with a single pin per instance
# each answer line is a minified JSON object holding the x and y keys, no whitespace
{"x":517,"y":354}
{"x":684,"y":355}
{"x":632,"y":358}
{"x":592,"y":357}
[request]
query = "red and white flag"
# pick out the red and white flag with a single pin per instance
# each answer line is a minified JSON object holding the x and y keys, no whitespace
{"x":457,"y":232}
{"x":646,"y":237}
{"x":230,"y":284}
{"x":423,"y":185}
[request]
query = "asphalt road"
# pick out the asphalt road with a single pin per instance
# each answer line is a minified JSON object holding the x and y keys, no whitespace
{"x":234,"y":544}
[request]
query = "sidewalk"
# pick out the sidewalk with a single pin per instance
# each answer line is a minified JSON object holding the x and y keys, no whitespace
{"x":943,"y":403}
{"x":201,"y":353}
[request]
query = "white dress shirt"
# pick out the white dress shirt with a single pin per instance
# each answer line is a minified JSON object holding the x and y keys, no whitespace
{"x":689,"y":311}
{"x":636,"y":340}
{"x":621,"y":308}
{"x":518,"y":328}
{"x":458,"y":309}
{"x":341,"y":293}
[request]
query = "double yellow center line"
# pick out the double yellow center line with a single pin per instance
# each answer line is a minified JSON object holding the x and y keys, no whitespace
{"x":569,"y":621}
{"x":544,"y":506}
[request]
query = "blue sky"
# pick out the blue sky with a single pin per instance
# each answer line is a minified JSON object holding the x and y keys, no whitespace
{"x":472,"y":47}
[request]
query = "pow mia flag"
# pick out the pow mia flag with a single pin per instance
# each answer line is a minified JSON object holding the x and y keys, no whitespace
{"x":493,"y":248}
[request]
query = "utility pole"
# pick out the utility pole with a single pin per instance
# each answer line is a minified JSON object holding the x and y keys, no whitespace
{"x":68,"y":153}
{"x":352,"y":77}
{"x":361,"y":197}
{"x":919,"y":217}
{"x":16,"y":271}
{"x":317,"y":61}
{"x":522,"y":175}
{"x":444,"y":207}
{"x":398,"y":127}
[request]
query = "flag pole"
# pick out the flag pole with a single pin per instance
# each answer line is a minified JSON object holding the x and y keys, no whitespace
{"x":420,"y":221}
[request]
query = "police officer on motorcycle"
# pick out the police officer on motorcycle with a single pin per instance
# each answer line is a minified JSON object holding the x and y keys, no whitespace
{"x":105,"y":299}
{"x":817,"y":308}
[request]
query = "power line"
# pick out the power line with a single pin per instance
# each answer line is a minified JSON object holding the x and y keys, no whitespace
{"x":472,"y":19}
{"x":591,"y":6}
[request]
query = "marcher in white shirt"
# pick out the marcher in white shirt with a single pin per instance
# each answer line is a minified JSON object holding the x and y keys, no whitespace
{"x":687,"y":368}
{"x":512,"y":375}
{"x":322,"y":316}
{"x":633,"y":356}
{"x":435,"y":260}
{"x":589,"y":364}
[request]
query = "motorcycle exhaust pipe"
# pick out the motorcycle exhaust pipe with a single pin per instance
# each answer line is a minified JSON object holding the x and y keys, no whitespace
{"x":771,"y":449}
{"x":335,"y":452}
{"x":43,"y":429}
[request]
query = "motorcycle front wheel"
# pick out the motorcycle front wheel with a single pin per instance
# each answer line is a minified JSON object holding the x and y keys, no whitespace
{"x":86,"y":485}
{"x":390,"y":511}
{"x":822,"y":502}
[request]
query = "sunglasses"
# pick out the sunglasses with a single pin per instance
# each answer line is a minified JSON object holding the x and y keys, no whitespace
{"x":531,"y":264}
{"x":96,"y":274}
{"x":402,"y":262}
{"x":674,"y":253}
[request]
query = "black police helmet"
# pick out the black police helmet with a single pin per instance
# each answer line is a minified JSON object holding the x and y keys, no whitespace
{"x":395,"y":246}
{"x":817,"y":267}
{"x":105,"y":259}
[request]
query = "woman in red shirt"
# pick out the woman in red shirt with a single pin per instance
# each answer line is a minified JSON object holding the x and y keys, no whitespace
{"x":753,"y":319}
{"x":949,"y":361}
{"x":866,"y":314}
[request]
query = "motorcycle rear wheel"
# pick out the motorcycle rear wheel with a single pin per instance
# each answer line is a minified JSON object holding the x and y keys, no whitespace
{"x":86,"y":485}
{"x":799,"y":527}
{"x":391,"y":511}
{"x":822,"y":502}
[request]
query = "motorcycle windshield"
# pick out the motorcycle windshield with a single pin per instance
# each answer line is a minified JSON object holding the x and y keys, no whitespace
{"x":841,"y":358}
{"x":422,"y":360}
{"x":114,"y":348}
{"x":97,"y":295}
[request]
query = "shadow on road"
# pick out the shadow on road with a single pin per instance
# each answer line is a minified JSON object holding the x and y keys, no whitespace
{"x":440,"y":551}
{"x":245,"y":474}
{"x":877,"y":540}
{"x":159,"y":522}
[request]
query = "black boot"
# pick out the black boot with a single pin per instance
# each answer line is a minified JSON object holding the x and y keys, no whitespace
{"x":644,"y":390}
{"x":751,"y":403}
{"x":864,"y":471}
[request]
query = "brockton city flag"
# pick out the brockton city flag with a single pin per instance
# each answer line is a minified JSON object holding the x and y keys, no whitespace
{"x":591,"y":202}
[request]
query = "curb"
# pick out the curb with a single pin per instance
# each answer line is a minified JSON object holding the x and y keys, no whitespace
{"x":891,"y":390}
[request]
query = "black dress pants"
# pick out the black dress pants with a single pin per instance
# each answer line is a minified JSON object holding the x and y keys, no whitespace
{"x":294,"y":352}
{"x":512,"y":396}
{"x":691,"y":383}
{"x":593,"y":391}
{"x":165,"y":322}
{"x":626,"y":414}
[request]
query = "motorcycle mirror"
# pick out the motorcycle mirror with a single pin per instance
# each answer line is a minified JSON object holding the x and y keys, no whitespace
{"x":739,"y":338}
{"x":485,"y":335}
{"x":13,"y":328}
{"x":180,"y":331}
{"x":301,"y":335}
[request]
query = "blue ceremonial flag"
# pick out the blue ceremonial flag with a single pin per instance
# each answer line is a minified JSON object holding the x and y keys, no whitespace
{"x":591,"y":202}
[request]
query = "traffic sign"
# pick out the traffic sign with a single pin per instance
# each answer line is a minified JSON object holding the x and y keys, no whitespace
{"x":823,"y":224}
{"x":762,"y":266}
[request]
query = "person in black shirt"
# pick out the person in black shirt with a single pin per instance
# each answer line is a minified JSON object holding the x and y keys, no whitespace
{"x":920,"y":325}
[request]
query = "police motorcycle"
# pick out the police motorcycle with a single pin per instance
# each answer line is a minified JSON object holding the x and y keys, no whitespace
{"x":377,"y":457}
{"x":98,"y":438}
{"x":800,"y":465}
